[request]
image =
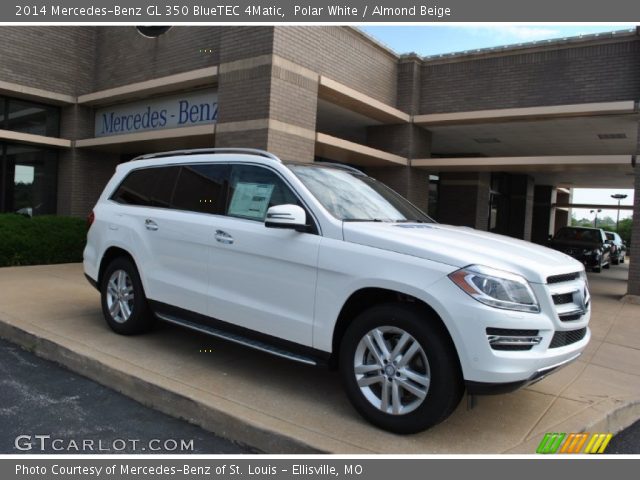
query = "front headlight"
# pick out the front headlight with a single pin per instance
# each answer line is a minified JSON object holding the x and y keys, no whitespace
{"x":496,"y":288}
{"x":583,"y":276}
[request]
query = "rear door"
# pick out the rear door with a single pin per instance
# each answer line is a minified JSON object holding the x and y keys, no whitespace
{"x":263,"y":279}
{"x":171,"y":227}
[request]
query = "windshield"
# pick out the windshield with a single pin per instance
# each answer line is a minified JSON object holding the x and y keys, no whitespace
{"x":579,"y":235}
{"x":356,"y":198}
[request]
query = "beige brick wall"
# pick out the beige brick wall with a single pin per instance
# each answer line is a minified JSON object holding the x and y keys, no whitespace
{"x":54,"y":58}
{"x":559,"y":75}
{"x":124,"y":56}
{"x":341,"y":54}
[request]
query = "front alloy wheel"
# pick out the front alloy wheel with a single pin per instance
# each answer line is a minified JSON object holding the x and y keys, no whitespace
{"x":392,"y":370}
{"x":399,"y":367}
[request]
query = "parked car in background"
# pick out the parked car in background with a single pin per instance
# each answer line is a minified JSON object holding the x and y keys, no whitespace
{"x":587,"y":245}
{"x":618,"y":248}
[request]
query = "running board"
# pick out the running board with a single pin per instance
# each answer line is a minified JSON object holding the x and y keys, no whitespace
{"x":239,"y":339}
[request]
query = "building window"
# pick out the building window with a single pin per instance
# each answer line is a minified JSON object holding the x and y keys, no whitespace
{"x":29,"y":117}
{"x":28,"y":179}
{"x":28,"y":173}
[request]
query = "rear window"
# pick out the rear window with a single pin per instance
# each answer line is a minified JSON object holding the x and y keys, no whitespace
{"x":197,"y":188}
{"x":148,"y":187}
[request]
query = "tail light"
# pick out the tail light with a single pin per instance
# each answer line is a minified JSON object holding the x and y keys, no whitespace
{"x":90,"y":218}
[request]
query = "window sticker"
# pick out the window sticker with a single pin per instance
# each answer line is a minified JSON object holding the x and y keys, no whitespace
{"x":250,"y":200}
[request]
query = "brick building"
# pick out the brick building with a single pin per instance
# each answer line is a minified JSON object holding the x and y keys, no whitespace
{"x":493,"y":139}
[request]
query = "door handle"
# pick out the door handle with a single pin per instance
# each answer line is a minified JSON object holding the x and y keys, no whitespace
{"x":223,"y":237}
{"x":150,"y":225}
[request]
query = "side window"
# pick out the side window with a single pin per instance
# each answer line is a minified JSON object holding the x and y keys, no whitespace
{"x":148,"y":187}
{"x":201,"y":188}
{"x":253,"y":189}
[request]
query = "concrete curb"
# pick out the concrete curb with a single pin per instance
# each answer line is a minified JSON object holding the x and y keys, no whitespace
{"x":154,"y":396}
{"x":617,"y":420}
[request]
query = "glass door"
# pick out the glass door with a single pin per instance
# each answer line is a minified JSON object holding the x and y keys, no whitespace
{"x":29,"y":179}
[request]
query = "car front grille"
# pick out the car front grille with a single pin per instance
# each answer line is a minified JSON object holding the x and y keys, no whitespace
{"x":562,"y":298}
{"x":570,"y":317}
{"x":565,"y":277}
{"x":564,"y":338}
{"x":569,"y":295}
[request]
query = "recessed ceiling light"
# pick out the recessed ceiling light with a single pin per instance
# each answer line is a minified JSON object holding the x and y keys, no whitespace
{"x":612,"y":136}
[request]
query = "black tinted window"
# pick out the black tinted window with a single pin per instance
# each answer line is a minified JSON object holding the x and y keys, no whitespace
{"x":201,"y":188}
{"x":197,"y":188}
{"x":579,"y":235}
{"x":253,"y":190}
{"x":149,"y":187}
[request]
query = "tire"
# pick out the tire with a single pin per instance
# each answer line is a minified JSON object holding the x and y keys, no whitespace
{"x":434,"y":368}
{"x":119,"y":280}
{"x":598,"y":269}
{"x":622,"y":259}
{"x":607,"y":265}
{"x":615,"y":261}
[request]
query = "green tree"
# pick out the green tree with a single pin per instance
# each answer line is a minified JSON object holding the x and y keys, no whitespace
{"x":624,"y":230}
{"x":582,"y":222}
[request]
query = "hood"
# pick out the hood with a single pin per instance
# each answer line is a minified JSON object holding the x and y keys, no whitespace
{"x":462,"y":246}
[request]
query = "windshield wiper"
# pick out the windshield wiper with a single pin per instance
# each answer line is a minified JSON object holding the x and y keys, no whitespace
{"x":364,"y":220}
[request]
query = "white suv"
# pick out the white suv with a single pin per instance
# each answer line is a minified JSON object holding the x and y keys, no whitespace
{"x":321,"y":264}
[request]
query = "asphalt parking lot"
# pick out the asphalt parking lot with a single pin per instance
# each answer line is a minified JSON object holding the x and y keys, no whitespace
{"x":52,"y":410}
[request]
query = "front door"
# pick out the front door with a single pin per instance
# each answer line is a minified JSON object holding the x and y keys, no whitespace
{"x":263,"y":279}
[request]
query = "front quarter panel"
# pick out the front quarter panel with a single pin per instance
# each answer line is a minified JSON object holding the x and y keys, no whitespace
{"x":344,"y":268}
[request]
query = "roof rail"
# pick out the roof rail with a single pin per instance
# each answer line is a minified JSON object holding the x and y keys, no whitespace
{"x":201,"y":151}
{"x":341,"y":166}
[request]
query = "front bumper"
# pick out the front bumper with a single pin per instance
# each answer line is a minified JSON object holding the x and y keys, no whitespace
{"x":559,"y":336}
{"x":487,"y":388}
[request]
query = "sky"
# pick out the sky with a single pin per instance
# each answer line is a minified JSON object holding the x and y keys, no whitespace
{"x":601,"y":196}
{"x":436,"y":40}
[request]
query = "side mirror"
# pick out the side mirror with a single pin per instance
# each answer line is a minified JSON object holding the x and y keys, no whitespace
{"x":286,"y":216}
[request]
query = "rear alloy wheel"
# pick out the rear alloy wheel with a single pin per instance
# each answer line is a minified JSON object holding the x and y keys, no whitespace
{"x":120,"y":296}
{"x":399,"y":368}
{"x":124,"y":304}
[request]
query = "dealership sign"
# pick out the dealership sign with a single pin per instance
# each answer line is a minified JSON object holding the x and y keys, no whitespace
{"x":175,"y":111}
